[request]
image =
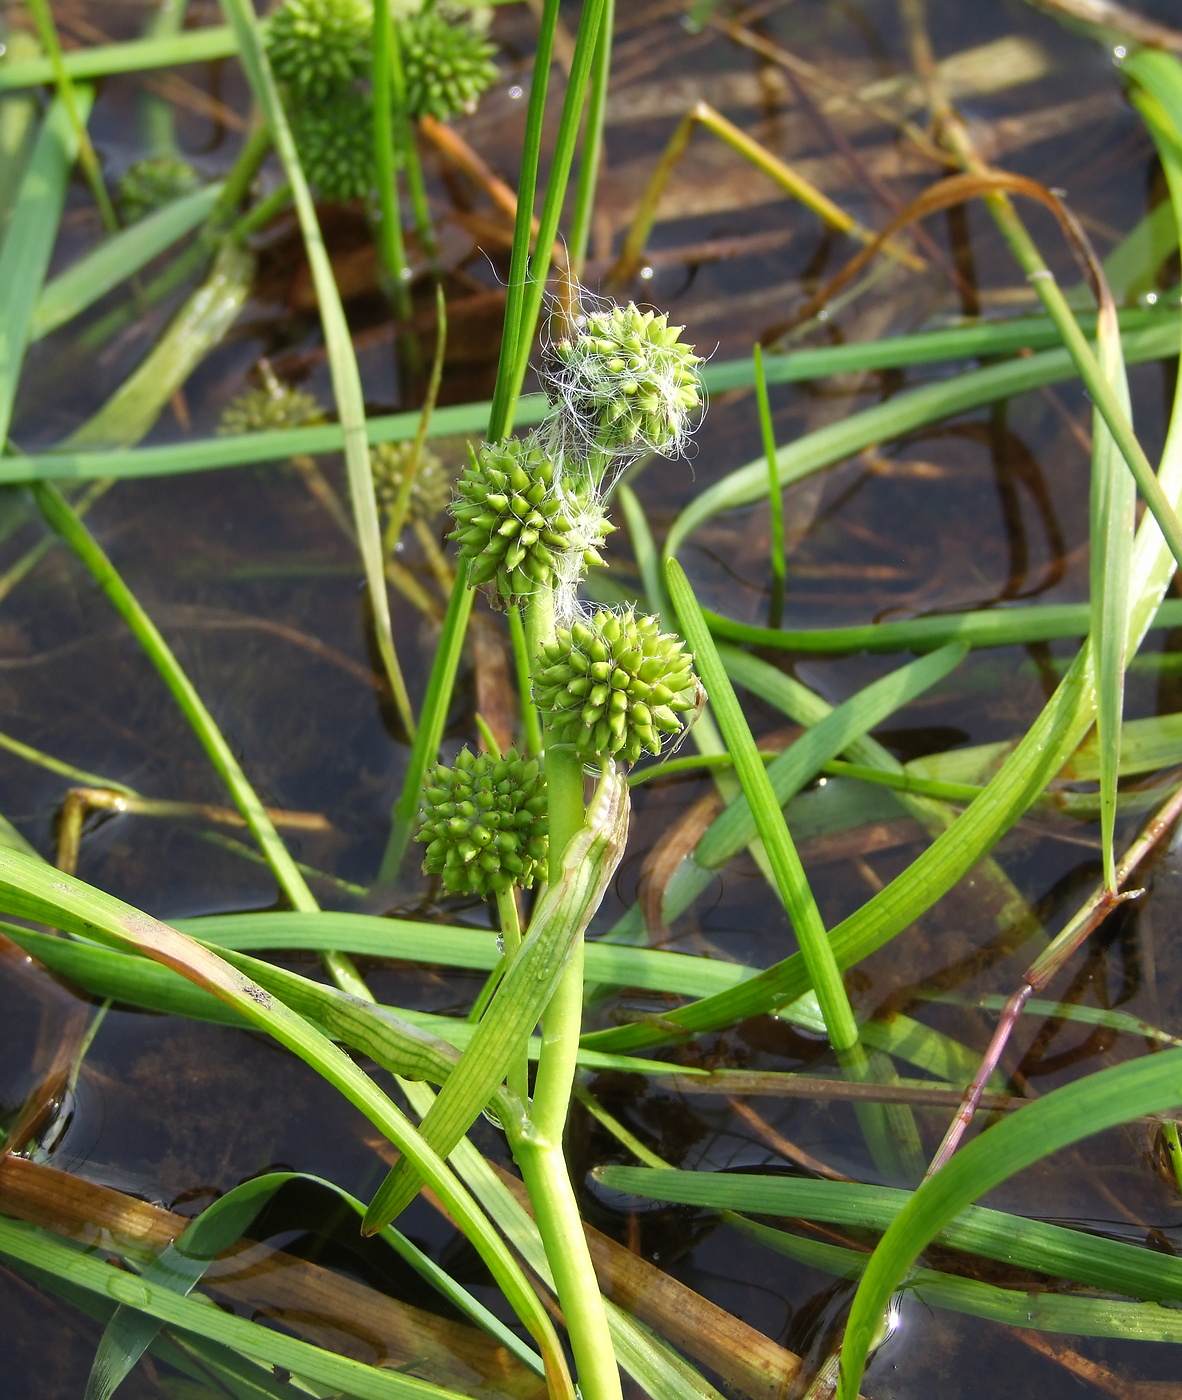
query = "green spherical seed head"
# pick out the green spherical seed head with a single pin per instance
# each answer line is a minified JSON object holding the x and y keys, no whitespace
{"x":431,"y":491}
{"x":318,"y":47}
{"x":335,"y":140}
{"x":447,"y":62}
{"x":492,"y":832}
{"x":627,"y":373}
{"x":601,"y":706}
{"x":515,"y":534}
{"x":275,"y":405}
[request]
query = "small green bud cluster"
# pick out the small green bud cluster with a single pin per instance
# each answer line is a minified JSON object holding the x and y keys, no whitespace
{"x":275,"y":405}
{"x":615,"y":685}
{"x":513,"y":526}
{"x":484,"y":823}
{"x":151,"y":183}
{"x":431,"y":490}
{"x":626,"y":381}
{"x":447,"y":63}
{"x":318,"y":47}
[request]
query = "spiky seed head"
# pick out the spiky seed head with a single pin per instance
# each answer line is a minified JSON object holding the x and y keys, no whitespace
{"x":626,"y":377}
{"x":318,"y":47}
{"x":335,"y":142}
{"x":151,"y":183}
{"x":275,"y":405}
{"x":447,"y":62}
{"x":484,"y":823}
{"x":514,"y":526}
{"x":431,"y":491}
{"x":616,"y":686}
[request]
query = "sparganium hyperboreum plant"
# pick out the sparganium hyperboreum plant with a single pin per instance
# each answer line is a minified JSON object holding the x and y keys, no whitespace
{"x":609,"y":686}
{"x":151,"y":183}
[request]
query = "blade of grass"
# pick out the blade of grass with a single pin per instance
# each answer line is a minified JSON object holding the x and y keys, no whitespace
{"x":769,"y":820}
{"x":1101,"y":1100}
{"x":134,"y":56}
{"x":44,"y":1251}
{"x":346,"y":377}
{"x":775,"y":499}
{"x":390,"y":244}
{"x":1076,"y":1255}
{"x":74,"y":105}
{"x":992,"y":627}
{"x":28,"y":243}
{"x":32,"y":890}
{"x":1155,"y":337}
{"x":507,"y":389}
{"x":591,"y":155}
{"x":117,"y":258}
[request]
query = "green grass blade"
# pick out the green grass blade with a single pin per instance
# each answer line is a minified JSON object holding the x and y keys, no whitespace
{"x":346,"y":377}
{"x":28,"y":243}
{"x":432,"y":719}
{"x":390,"y":244}
{"x":118,"y":258}
{"x":901,"y":414}
{"x":591,"y":153}
{"x":1042,"y":1311}
{"x":588,"y":863}
{"x":32,"y":890}
{"x":130,"y":413}
{"x":1155,"y":337}
{"x":1113,"y":520}
{"x":992,"y":627}
{"x":1101,"y":1100}
{"x":135,"y":56}
{"x":590,"y":25}
{"x":1076,"y":1255}
{"x":35,"y":1247}
{"x":504,"y":407}
{"x":793,"y":886}
{"x":775,"y":497}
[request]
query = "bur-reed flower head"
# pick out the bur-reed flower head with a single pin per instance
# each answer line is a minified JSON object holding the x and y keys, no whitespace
{"x":274,"y":405}
{"x":515,"y":526}
{"x":622,"y":382}
{"x":484,"y":823}
{"x":615,"y":685}
{"x":447,"y":61}
{"x":335,"y":142}
{"x":431,"y":491}
{"x":317,"y":47}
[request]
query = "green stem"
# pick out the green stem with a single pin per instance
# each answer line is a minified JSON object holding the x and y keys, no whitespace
{"x":61,"y":516}
{"x":531,"y":720}
{"x":507,"y":387}
{"x":518,"y":1076}
{"x":775,"y":497}
{"x":390,"y":228}
{"x":431,"y":721}
{"x":47,"y":32}
{"x":592,"y":152}
{"x":564,"y":151}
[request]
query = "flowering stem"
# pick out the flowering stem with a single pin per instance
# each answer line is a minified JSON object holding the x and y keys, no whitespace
{"x":540,"y":1154}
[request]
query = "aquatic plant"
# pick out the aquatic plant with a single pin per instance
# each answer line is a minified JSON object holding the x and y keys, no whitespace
{"x":335,"y":141}
{"x":432,"y":487}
